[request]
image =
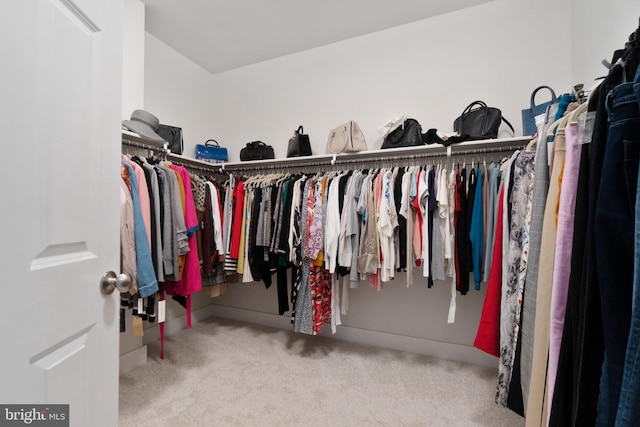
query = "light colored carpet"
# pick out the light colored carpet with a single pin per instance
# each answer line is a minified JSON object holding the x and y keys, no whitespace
{"x":228,"y":373}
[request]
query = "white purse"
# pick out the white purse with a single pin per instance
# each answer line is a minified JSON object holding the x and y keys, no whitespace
{"x":346,"y":138}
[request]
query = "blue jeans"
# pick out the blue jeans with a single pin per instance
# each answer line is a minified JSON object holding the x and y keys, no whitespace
{"x":629,"y":404}
{"x":614,"y":241}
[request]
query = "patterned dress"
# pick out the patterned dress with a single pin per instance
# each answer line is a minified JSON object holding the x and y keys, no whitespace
{"x":516,"y":257}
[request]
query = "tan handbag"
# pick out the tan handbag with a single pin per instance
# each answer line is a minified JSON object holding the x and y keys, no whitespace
{"x":346,"y":138}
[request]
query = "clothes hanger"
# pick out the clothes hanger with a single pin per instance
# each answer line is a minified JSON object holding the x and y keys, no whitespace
{"x":631,"y":54}
{"x":556,"y":125}
{"x":575,"y":114}
{"x":532,"y":144}
{"x":564,"y":121}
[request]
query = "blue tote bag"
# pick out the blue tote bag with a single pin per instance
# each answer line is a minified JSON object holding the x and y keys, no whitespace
{"x":529,"y":114}
{"x":211,"y":152}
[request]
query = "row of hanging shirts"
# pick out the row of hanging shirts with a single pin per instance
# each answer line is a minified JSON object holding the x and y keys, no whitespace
{"x":158,"y":225}
{"x":361,"y":225}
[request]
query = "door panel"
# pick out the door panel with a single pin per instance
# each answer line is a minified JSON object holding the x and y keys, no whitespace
{"x":68,"y":87}
{"x":61,"y":105}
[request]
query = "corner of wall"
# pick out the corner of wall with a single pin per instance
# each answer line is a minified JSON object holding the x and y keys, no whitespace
{"x":133,"y":57}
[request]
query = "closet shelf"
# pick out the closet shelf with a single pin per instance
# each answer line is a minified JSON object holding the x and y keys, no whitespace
{"x":388,"y":155}
{"x":134,"y":140}
{"x":369,"y":156}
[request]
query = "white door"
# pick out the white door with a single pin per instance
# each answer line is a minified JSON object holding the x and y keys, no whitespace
{"x":60,"y":100}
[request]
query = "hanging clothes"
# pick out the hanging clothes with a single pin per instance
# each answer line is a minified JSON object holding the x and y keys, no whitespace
{"x":476,"y":230}
{"x":540,"y":190}
{"x":628,"y":411}
{"x":333,"y":230}
{"x":564,"y":240}
{"x":515,"y":258}
{"x":127,"y":234}
{"x":614,"y":240}
{"x":145,"y":275}
{"x":488,"y":335}
{"x":536,"y":407}
{"x":461,"y":232}
{"x":437,"y":242}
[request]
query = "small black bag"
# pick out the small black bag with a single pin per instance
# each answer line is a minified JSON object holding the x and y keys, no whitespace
{"x":173,"y":135}
{"x":480,"y":123}
{"x":256,"y":150}
{"x":407,"y":135}
{"x":299,"y":144}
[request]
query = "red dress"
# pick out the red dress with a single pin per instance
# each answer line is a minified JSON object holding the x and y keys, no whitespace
{"x":488,"y":335}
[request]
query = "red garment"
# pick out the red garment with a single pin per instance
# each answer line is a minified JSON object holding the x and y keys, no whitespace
{"x":417,"y":231}
{"x":161,"y":329}
{"x":488,"y":335}
{"x":191,"y":280}
{"x":320,"y":284}
{"x":238,"y":213}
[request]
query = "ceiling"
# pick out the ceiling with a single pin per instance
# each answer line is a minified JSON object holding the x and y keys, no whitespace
{"x":221,"y":35}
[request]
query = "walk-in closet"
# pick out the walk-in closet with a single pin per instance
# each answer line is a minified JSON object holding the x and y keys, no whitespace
{"x":308,"y":213}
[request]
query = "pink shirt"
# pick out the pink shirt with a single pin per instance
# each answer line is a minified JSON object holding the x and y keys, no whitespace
{"x":143,"y":192}
{"x":191,"y":280}
{"x":564,"y":247}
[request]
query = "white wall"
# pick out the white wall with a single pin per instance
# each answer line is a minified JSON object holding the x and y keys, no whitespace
{"x":431,"y":70}
{"x":498,"y":52}
{"x":598,"y":29}
{"x":133,"y":59}
{"x":179,"y":93}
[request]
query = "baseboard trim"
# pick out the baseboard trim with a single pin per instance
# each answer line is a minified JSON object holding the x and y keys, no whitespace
{"x":133,"y":359}
{"x":439,"y":349}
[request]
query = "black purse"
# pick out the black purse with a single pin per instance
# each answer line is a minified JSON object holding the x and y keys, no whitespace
{"x":299,"y":144}
{"x":479,"y":123}
{"x":256,"y":150}
{"x":173,"y":135}
{"x":407,"y":135}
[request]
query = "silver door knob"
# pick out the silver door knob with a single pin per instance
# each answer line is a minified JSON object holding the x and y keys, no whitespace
{"x":110,"y":281}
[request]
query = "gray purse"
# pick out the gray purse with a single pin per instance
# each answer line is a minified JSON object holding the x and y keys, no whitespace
{"x":346,"y":138}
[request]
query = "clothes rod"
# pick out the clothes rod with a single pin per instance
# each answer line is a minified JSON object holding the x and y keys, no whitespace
{"x":133,"y":140}
{"x":194,"y":163}
{"x":410,"y":154}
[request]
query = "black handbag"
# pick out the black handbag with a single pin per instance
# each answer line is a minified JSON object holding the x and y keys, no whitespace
{"x":407,"y":135}
{"x":480,"y":123}
{"x":299,"y":144}
{"x":173,"y":135}
{"x":256,"y":150}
